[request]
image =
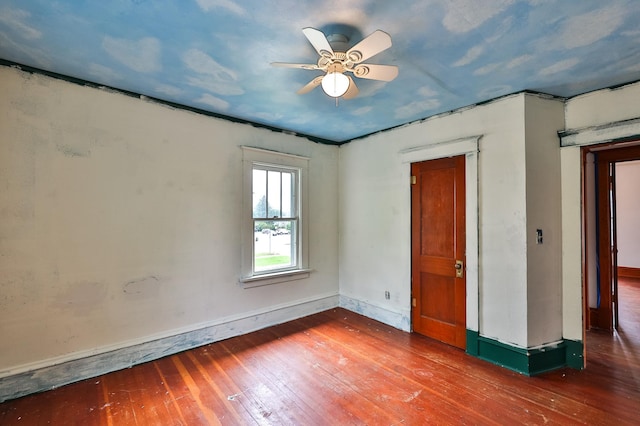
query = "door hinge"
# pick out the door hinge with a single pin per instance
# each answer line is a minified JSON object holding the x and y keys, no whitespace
{"x":413,"y":302}
{"x":413,"y":180}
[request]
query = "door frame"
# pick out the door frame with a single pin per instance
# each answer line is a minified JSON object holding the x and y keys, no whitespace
{"x":469,"y":147}
{"x":574,"y":250}
{"x":608,"y":154}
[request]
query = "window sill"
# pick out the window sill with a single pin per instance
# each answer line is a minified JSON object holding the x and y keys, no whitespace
{"x":274,"y":278}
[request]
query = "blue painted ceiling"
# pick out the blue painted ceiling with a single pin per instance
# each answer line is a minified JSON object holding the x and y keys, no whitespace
{"x":214,"y":55}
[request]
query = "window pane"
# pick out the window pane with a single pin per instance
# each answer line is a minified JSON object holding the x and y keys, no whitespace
{"x":287,"y":195}
{"x":259,"y":193}
{"x":274,"y":246}
{"x":273,"y":194}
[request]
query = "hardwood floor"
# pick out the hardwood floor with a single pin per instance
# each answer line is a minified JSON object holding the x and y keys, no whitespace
{"x":337,"y":368}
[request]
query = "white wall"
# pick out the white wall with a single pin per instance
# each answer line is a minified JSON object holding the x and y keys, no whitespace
{"x":119,"y":221}
{"x":628,"y":213}
{"x":598,"y":108}
{"x":544,"y":118}
{"x":119,"y":224}
{"x":603,"y":107}
{"x":375,"y":216}
{"x":571,"y":184}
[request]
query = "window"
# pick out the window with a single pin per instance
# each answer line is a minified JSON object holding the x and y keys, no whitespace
{"x":274,"y":232}
{"x":275,"y":218}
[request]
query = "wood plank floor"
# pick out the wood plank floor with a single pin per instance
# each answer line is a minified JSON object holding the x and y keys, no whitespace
{"x":339,"y":368}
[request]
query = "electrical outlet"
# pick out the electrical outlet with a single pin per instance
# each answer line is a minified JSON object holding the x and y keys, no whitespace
{"x":387,"y":295}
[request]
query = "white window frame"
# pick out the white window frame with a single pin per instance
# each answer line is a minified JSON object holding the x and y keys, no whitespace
{"x":278,"y":160}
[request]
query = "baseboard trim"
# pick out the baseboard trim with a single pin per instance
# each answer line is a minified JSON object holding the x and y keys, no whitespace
{"x":472,"y":342}
{"x":575,"y":354}
{"x":628,"y":272}
{"x":53,"y":373}
{"x":527,"y":361}
{"x":395,"y":319}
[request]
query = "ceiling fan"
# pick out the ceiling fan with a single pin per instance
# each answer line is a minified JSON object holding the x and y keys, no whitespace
{"x":335,"y":63}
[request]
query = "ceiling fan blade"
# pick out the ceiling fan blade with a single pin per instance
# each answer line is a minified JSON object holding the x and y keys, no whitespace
{"x":376,"y":72}
{"x":288,"y":65}
{"x":370,"y":46}
{"x":310,"y":85}
{"x":352,"y":91}
{"x":319,"y":41}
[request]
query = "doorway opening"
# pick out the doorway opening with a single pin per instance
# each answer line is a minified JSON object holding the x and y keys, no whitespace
{"x":611,"y":178}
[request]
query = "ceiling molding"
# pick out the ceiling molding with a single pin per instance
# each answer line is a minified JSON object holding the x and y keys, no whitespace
{"x":618,"y":131}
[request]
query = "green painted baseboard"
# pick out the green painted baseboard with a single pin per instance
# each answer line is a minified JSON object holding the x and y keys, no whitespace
{"x":575,"y":354}
{"x":472,"y":342}
{"x":567,"y":353}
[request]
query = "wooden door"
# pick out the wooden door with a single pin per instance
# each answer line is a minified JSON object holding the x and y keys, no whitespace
{"x":438,"y":250}
{"x":613,"y":249}
{"x":602,"y":315}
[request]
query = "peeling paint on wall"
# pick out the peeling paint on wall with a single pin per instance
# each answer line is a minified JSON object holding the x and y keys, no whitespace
{"x":94,"y":364}
{"x":401,"y":320}
{"x":70,"y":151}
{"x":141,"y":286}
{"x":94,"y":242}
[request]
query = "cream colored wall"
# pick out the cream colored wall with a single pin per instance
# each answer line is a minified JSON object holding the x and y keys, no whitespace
{"x":119,"y":221}
{"x":603,"y":107}
{"x":544,"y":118}
{"x":600,"y":108}
{"x":375,"y":200}
{"x":375,"y":215}
{"x":571,"y":186}
{"x":118,"y":218}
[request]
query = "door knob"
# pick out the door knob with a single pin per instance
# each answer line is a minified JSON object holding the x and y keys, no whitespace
{"x":459,"y":269}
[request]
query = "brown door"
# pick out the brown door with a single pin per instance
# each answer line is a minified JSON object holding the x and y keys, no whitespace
{"x":437,"y":250}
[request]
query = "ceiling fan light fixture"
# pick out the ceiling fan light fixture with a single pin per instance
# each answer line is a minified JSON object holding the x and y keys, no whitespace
{"x":335,"y":84}
{"x":337,"y":59}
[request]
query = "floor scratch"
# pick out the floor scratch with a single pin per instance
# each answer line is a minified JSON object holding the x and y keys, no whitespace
{"x":413,"y":396}
{"x":236,"y":395}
